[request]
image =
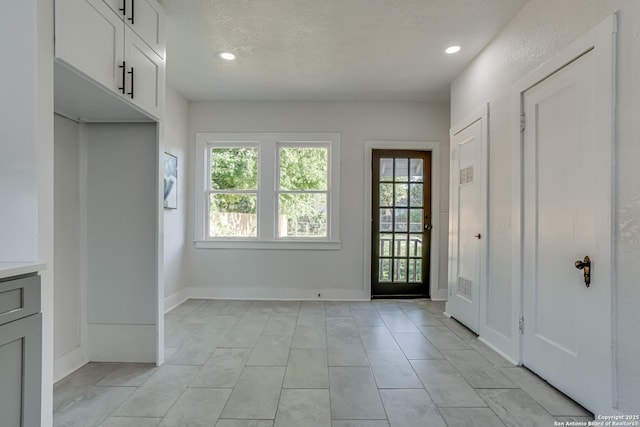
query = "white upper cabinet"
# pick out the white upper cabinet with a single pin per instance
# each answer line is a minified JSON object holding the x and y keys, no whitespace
{"x":116,"y":43}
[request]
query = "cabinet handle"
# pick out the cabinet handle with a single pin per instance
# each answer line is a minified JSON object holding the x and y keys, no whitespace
{"x":123,"y":66}
{"x":133,"y":8}
{"x":123,"y":9}
{"x":131,"y":74}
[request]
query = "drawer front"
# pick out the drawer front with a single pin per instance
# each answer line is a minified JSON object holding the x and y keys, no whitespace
{"x":19,"y":298}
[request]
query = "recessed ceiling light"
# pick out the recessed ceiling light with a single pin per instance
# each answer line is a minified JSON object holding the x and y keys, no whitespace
{"x":452,"y":49}
{"x":227,"y":56}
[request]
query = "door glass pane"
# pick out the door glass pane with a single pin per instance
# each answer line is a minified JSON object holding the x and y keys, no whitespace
{"x":415,"y":245}
{"x":386,"y":243}
{"x":402,"y":194}
{"x":415,"y":195}
{"x":402,"y":170}
{"x":415,"y":220}
{"x":386,"y":221}
{"x":415,"y":270}
{"x":233,"y":215}
{"x":385,"y":270}
{"x":386,"y":170}
{"x":400,"y":272}
{"x":416,"y":170}
{"x":401,"y":219}
{"x":400,"y":245}
{"x":386,"y":195}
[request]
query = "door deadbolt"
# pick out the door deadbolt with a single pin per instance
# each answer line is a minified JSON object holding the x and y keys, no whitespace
{"x":585,"y":266}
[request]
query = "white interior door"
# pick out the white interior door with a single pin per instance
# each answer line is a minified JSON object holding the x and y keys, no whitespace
{"x":566,"y":215}
{"x":467,"y":230}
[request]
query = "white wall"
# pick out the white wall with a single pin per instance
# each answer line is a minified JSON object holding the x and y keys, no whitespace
{"x":339,"y":273}
{"x":66,"y":302}
{"x":534,"y":35}
{"x":176,"y":238}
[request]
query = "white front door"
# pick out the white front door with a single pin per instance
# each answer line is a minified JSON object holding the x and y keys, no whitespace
{"x":566,"y":216}
{"x":467,"y":229}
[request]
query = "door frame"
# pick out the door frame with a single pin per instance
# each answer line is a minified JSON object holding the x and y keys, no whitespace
{"x":435,"y":292}
{"x":601,"y":41}
{"x":481,"y":114}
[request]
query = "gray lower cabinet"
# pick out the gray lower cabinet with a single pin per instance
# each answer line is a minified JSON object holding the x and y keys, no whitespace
{"x":20,"y":355}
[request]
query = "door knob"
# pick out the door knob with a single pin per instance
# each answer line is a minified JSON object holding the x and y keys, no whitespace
{"x":585,"y":266}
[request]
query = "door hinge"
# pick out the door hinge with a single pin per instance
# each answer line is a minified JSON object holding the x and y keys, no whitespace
{"x":523,"y":121}
{"x":521,"y":325}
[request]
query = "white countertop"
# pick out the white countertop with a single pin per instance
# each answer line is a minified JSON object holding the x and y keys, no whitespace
{"x":10,"y":269}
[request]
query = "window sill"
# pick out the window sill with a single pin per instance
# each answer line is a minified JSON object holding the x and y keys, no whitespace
{"x":271,"y":245}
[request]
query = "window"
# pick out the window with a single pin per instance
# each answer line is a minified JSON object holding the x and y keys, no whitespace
{"x":267,"y":191}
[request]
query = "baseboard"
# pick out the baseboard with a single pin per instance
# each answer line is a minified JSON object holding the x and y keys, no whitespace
{"x":175,"y":299}
{"x":439,"y":295}
{"x":68,"y":363}
{"x":280,"y":294}
{"x":122,"y":343}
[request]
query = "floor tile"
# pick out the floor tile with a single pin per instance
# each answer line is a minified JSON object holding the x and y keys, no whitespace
{"x":391,"y":369}
{"x":471,"y":417}
{"x":445,"y":385}
{"x":360,"y":423}
{"x":459,"y":329}
{"x":91,"y":407}
{"x":280,"y":325}
{"x":516,"y":408}
{"x":442,"y":338}
{"x":416,"y":346}
{"x":477,"y":370}
{"x":307,"y":368}
{"x":337,"y":326}
{"x":421,"y":317}
{"x":197,"y":407}
{"x":271,"y":351}
{"x":337,"y":309}
{"x":308,"y":408}
{"x":130,"y":422}
{"x":196,"y":350}
{"x":158,"y":394}
{"x":367,"y":317}
{"x":256,"y":393}
{"x":398,"y":322}
{"x":187,"y":307}
{"x":68,"y":389}
{"x":546,"y":395}
{"x":354,"y":395}
{"x":200,"y":315}
{"x":223,"y":368}
{"x":409,"y":408}
{"x":346,"y":351}
{"x":246,"y":332}
{"x":493,"y":357}
{"x":310,"y":337}
{"x":244,"y":423}
{"x":377,"y":338}
{"x":129,"y":375}
{"x":262,"y":307}
{"x":311,"y":319}
{"x":286,"y":308}
{"x":221,"y":324}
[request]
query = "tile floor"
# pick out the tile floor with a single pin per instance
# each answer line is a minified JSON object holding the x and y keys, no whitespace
{"x":388,"y":363}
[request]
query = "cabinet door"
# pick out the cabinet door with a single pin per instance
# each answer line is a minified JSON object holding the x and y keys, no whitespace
{"x":146,"y":17}
{"x":116,"y":5}
{"x":89,"y":37}
{"x":20,"y":371}
{"x":145,"y":75}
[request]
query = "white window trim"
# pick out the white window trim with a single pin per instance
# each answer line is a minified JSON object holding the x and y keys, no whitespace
{"x":268,"y":144}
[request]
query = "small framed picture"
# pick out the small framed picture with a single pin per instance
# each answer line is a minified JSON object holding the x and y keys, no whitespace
{"x":170,"y":181}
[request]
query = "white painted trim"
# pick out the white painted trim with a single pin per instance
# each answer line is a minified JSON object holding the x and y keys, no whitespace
{"x":320,"y":245}
{"x":279,"y":294}
{"x":435,"y":292}
{"x":175,"y":299}
{"x":159,"y":344}
{"x":122,"y":343}
{"x":480,"y":114}
{"x":68,"y":363}
{"x":602,"y":39}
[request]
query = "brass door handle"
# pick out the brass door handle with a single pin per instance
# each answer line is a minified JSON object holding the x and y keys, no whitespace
{"x":585,"y":266}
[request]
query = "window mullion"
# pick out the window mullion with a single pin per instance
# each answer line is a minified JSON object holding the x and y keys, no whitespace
{"x":267,"y":178}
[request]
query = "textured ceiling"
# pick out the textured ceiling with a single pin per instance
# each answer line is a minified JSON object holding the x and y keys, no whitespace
{"x":326,"y":50}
